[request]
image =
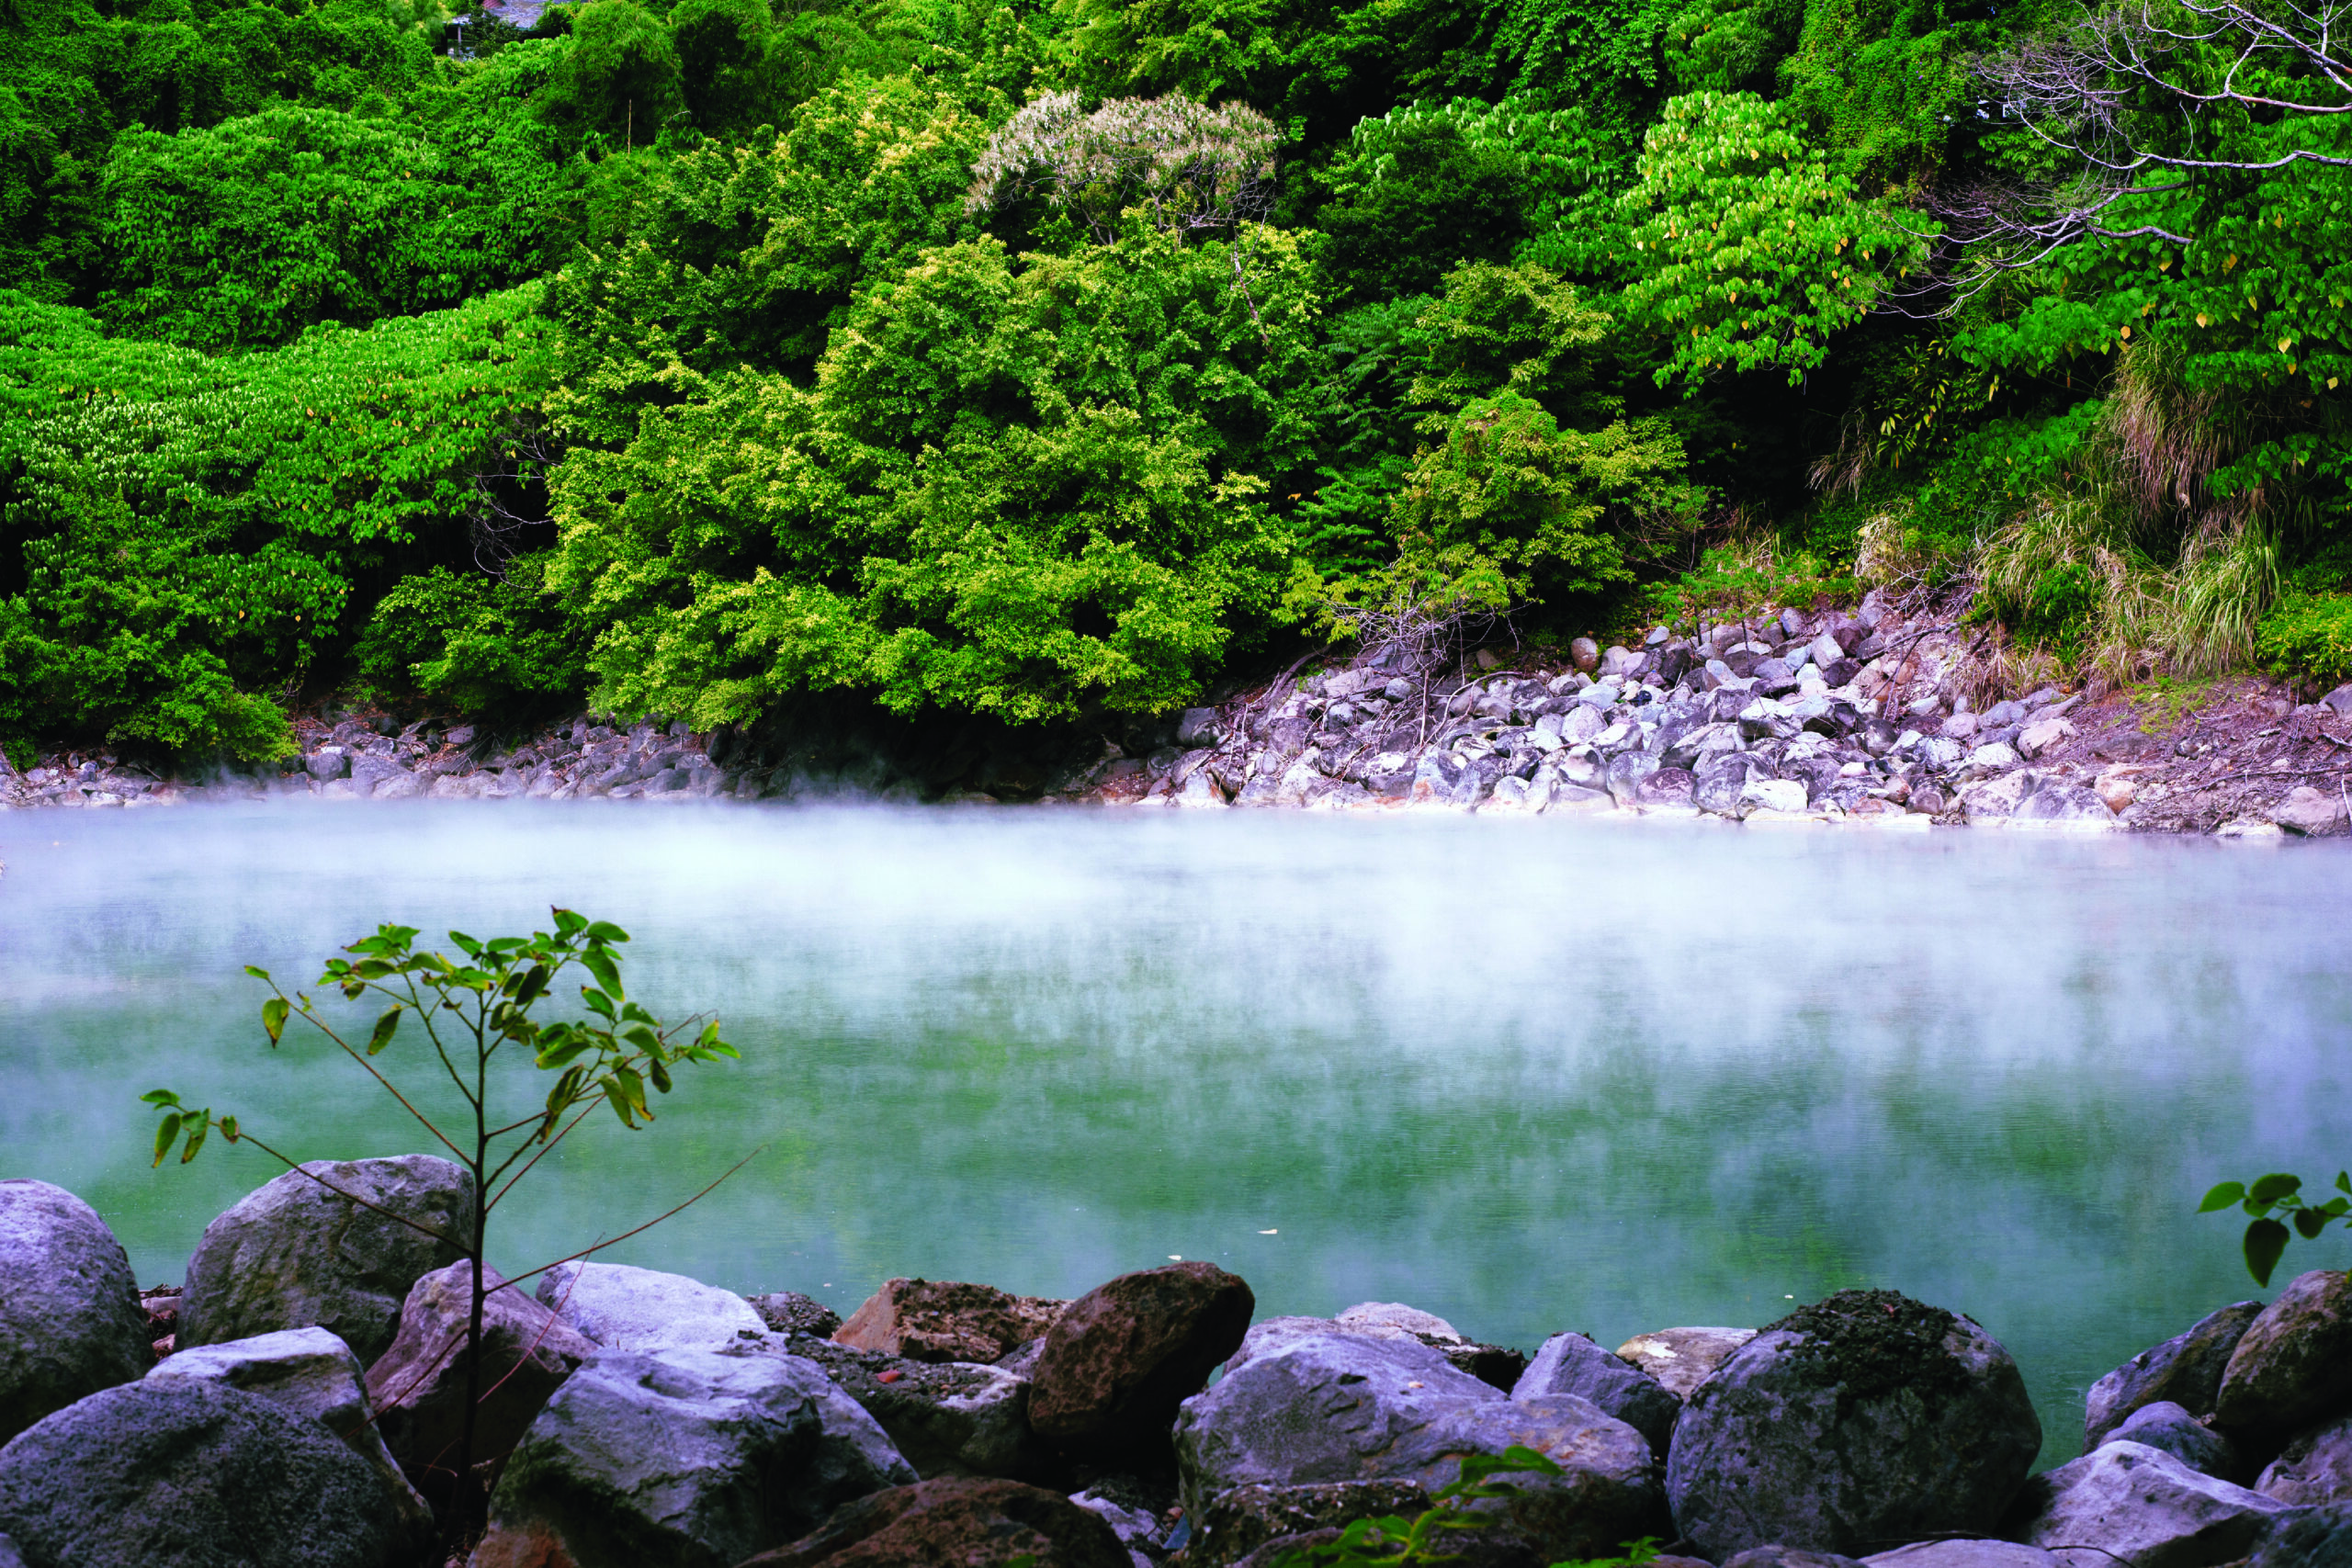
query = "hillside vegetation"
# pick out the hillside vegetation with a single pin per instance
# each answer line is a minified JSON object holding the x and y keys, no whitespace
{"x":1056,"y":357}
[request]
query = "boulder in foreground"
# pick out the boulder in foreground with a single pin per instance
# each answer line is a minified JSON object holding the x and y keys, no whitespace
{"x":70,"y":1319}
{"x":682,"y":1459}
{"x":1864,"y":1419}
{"x":196,"y":1474}
{"x":292,"y":1253}
{"x":946,"y":1320}
{"x":1120,"y":1358}
{"x":2185,"y":1369}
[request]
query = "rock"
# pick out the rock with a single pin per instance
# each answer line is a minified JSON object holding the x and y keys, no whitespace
{"x":196,"y":1474}
{"x":1237,"y":1524}
{"x":1627,"y":771}
{"x":1120,"y":1358}
{"x":2166,"y":1425}
{"x":1722,"y":785}
{"x":1863,"y":1419}
{"x":944,"y":1417}
{"x":789,"y":1312}
{"x":2129,"y":1506}
{"x":2316,"y":1468}
{"x":2317,"y":1537}
{"x":1682,"y":1359}
{"x":2184,"y":1370}
{"x":310,"y":1372}
{"x":2340,"y":700}
{"x":2115,"y":791}
{"x":1314,"y":1408}
{"x":969,"y":1524}
{"x":1960,"y":726}
{"x":2044,"y":735}
{"x":697,"y":1459}
{"x":70,"y":1319}
{"x":1493,"y":1365}
{"x":942,"y":1320}
{"x":370,"y":774}
{"x":1840,"y":673}
{"x":1572,"y":1363}
{"x":326,"y":763}
{"x":1585,"y":654}
{"x":1962,"y":1554}
{"x":418,"y":1386}
{"x":1774,"y":795}
{"x":1995,"y":755}
{"x":1199,"y":726}
{"x":1616,"y":661}
{"x":1666,"y":788}
{"x":1136,"y":1527}
{"x":2030,"y":799}
{"x":2315,"y":814}
{"x":2293,"y":1365}
{"x":1789,"y":1557}
{"x":622,"y":1308}
{"x":292,"y":1253}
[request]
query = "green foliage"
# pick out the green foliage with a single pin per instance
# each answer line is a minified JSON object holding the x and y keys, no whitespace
{"x":1740,"y":580}
{"x":477,"y":643}
{"x":1746,"y":237}
{"x":620,"y":79}
{"x":1016,"y":488}
{"x":250,"y":230}
{"x":470,"y":1011}
{"x":2278,"y":1193}
{"x":186,"y":534}
{"x":2308,"y":637}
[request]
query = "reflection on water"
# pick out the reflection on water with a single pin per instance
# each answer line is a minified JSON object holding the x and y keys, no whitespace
{"x":1527,"y":1074}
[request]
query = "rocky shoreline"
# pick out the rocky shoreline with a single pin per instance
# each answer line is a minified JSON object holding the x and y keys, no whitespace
{"x":290,"y":1405}
{"x":1885,"y":717}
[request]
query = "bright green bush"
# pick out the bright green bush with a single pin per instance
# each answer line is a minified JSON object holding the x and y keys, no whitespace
{"x":472,"y":641}
{"x":2308,"y":637}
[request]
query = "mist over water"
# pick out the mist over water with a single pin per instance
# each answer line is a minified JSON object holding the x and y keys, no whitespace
{"x":1529,"y":1075}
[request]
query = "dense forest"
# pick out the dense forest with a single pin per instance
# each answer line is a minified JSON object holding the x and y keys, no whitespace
{"x":1061,"y":357}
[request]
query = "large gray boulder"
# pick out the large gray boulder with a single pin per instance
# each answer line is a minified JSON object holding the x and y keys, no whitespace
{"x":1864,"y":1419}
{"x":418,"y":1386}
{"x":1314,"y":1409}
{"x":683,"y":1459}
{"x":947,"y":1418}
{"x":1572,"y":1363}
{"x":293,"y":1253}
{"x":70,"y":1319}
{"x":2129,"y":1506}
{"x":309,"y":1371}
{"x":2315,"y":1468}
{"x":623,"y":1308}
{"x":2318,"y":1536}
{"x":194,"y":1474}
{"x":2185,"y":1369}
{"x":2293,"y":1365}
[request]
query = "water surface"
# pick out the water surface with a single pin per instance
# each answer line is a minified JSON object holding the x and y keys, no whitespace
{"x":1528,"y":1075}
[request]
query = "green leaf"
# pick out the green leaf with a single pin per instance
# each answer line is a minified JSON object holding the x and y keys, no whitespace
{"x":2271,"y":1187}
{"x":658,"y":1073}
{"x":2266,"y":1241}
{"x":598,"y":1001}
{"x":257,"y":973}
{"x":160,"y":1097}
{"x":194,"y":1139}
{"x":2221,"y":1196}
{"x":382,"y":1036}
{"x":566,"y":1051}
{"x":229,"y":1128}
{"x":534,"y":984}
{"x":567,"y":922}
{"x":273,"y":1018}
{"x":465,"y":944}
{"x":605,"y":931}
{"x":620,"y":1098}
{"x":600,"y":964}
{"x":165,"y":1131}
{"x":2309,"y":1222}
{"x":2343,"y":1181}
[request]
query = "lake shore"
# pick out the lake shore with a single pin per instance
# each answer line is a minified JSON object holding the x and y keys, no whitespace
{"x":1887,"y":718}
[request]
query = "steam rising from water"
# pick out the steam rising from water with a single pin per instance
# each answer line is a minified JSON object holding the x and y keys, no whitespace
{"x":1528,"y":1075}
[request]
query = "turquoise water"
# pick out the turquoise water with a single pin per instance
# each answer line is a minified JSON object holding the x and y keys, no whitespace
{"x":1527,"y":1074}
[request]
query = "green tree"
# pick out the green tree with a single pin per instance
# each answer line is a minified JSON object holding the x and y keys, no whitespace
{"x":472,"y":1010}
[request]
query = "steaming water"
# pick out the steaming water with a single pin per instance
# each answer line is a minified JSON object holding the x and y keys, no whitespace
{"x":1527,"y":1074}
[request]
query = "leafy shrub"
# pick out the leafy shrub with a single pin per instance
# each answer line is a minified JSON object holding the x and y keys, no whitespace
{"x":2308,"y":637}
{"x":2059,"y":609}
{"x":480,"y":644}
